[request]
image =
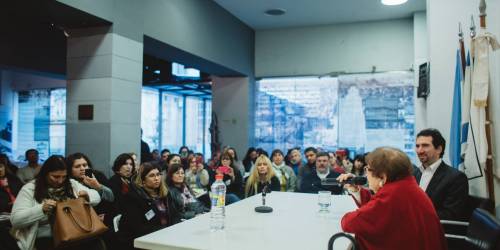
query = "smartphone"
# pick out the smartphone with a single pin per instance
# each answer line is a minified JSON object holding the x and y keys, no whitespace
{"x":88,"y":172}
{"x":224,"y":169}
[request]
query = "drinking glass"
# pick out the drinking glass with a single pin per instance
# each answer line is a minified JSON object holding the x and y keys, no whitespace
{"x":324,"y":201}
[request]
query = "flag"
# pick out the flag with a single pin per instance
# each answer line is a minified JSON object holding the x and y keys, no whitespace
{"x":466,"y":92}
{"x":477,"y":144}
{"x":456,"y":116}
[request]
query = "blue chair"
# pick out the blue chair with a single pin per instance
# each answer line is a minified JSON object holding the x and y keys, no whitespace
{"x":483,"y":232}
{"x":354,"y":244}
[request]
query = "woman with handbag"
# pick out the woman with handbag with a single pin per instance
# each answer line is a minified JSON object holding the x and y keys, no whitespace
{"x":149,"y":206}
{"x":33,"y":211}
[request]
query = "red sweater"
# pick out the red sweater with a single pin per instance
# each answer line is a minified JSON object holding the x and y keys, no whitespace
{"x":399,"y":216}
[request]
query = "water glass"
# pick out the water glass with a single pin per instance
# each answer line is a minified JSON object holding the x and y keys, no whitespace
{"x":324,"y":201}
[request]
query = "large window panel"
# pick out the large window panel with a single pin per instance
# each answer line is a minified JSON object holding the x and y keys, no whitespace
{"x":194,"y":124}
{"x":172,"y":121}
{"x":359,"y":112}
{"x":150,"y":100}
{"x":41,"y":122}
{"x":57,"y":121}
{"x":208,"y":120}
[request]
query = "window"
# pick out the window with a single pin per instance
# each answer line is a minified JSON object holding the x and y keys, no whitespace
{"x":172,"y":121}
{"x":358,"y":112}
{"x":41,"y":122}
{"x":184,"y":120}
{"x":150,"y":117}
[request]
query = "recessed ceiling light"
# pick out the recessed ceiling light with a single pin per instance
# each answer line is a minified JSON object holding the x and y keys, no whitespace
{"x":275,"y":12}
{"x":393,"y":2}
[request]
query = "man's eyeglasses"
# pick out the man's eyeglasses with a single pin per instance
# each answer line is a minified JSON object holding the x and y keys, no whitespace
{"x":368,"y":168}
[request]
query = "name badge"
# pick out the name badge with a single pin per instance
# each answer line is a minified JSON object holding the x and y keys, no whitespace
{"x":150,"y":214}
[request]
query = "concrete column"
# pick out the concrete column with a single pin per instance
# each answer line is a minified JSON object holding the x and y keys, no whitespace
{"x":104,"y":69}
{"x":232,"y":97}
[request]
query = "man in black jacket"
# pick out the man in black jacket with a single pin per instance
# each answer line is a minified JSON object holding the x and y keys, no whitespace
{"x":311,"y":181}
{"x":447,"y":187}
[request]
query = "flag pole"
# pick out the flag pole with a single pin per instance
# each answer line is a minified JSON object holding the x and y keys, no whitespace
{"x":462,"y":47}
{"x":489,"y":159}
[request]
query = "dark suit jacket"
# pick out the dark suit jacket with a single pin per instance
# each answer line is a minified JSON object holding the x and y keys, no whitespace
{"x":448,"y":190}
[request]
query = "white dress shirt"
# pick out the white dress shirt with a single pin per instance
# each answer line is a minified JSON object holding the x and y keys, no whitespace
{"x":427,"y":174}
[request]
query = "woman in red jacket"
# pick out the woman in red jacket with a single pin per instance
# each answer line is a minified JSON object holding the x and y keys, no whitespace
{"x":399,"y":215}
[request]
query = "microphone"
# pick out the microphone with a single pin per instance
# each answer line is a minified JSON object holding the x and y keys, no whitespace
{"x":357,"y":180}
{"x":264,"y":208}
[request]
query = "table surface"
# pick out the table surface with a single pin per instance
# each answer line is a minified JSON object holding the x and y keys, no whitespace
{"x":294,"y":224}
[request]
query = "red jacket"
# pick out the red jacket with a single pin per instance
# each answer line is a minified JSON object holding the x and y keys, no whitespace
{"x":399,"y":216}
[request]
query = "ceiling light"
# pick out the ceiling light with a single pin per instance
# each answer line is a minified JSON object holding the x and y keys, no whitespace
{"x":393,"y":2}
{"x":275,"y":12}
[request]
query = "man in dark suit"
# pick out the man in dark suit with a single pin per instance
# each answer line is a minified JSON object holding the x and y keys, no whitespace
{"x":447,"y":187}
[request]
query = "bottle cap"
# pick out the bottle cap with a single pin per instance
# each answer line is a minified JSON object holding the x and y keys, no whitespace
{"x":219,"y":176}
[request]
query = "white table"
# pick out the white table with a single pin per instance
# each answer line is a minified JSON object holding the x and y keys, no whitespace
{"x":294,"y":224}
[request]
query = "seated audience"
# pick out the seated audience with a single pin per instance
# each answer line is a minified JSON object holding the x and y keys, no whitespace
{"x":9,"y":188}
{"x":358,"y":168}
{"x":10,"y":166}
{"x":124,"y":168}
{"x":261,"y":176}
{"x":294,"y":158}
{"x":33,"y":210}
{"x":249,"y":159}
{"x":149,"y":206}
{"x":181,"y":193}
{"x":237,"y":163}
{"x":134,"y":157}
{"x":79,"y":166}
{"x":311,"y":181}
{"x":197,"y":176}
{"x":283,"y":172}
{"x":232,"y":178}
{"x":377,"y":223}
{"x":29,"y":172}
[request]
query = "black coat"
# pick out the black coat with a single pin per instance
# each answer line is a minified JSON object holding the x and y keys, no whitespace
{"x":448,"y":191}
{"x":134,"y":222}
{"x":235,"y":187}
{"x":311,"y":183}
{"x":15,"y":185}
{"x":191,"y":209}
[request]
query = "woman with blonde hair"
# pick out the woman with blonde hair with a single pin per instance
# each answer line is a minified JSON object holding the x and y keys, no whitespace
{"x":261,"y":176}
{"x":149,"y":205}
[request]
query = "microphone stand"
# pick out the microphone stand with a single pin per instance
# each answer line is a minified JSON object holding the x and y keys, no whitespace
{"x":264,"y":208}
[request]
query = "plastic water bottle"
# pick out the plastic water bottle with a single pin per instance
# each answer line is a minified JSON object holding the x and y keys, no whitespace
{"x":218,"y":200}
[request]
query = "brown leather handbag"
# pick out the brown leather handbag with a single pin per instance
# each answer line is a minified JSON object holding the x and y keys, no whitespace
{"x":75,"y":221}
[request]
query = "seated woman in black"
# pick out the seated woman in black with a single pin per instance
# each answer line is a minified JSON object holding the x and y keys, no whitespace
{"x":232,"y":178}
{"x":262,"y":175}
{"x":181,"y":194}
{"x":148,"y":206}
{"x":124,"y":168}
{"x":9,"y":187}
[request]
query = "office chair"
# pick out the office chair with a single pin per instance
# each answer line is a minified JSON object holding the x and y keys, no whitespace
{"x":354,"y":244}
{"x":483,"y":232}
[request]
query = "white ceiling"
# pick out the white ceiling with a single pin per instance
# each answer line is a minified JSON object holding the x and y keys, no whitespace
{"x":301,"y":13}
